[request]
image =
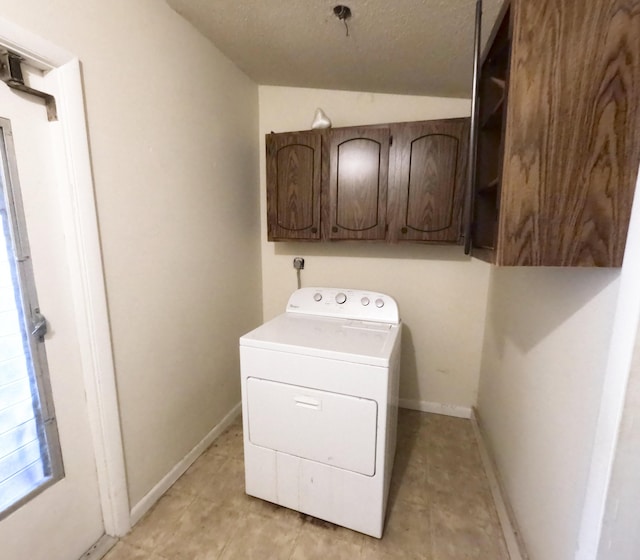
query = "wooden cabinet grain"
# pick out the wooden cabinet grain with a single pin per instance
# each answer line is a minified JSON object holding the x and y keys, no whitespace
{"x":358,"y":182}
{"x":352,"y":184}
{"x":429,"y":165}
{"x":559,"y":143}
{"x":293,"y":185}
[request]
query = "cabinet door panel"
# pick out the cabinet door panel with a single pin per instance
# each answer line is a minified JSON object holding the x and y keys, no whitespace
{"x":433,"y":163}
{"x":358,"y":184}
{"x":295,"y":179}
{"x":359,"y":160}
{"x":428,"y":182}
{"x":293,"y":185}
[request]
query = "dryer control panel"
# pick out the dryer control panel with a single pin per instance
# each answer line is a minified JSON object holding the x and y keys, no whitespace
{"x":345,"y":303}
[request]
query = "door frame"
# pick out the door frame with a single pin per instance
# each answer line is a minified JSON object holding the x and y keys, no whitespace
{"x":86,"y":267}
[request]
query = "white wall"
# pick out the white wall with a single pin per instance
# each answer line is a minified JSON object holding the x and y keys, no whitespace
{"x":172,"y":126}
{"x":610,"y":517}
{"x":441,"y":293}
{"x":620,"y":537}
{"x":545,"y":354}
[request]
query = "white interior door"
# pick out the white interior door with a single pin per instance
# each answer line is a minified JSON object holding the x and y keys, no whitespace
{"x":63,"y":521}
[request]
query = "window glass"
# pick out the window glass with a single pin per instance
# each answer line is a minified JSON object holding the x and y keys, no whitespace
{"x":29,"y":449}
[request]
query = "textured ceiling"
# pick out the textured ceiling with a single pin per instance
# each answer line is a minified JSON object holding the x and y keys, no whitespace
{"x":421,"y":47}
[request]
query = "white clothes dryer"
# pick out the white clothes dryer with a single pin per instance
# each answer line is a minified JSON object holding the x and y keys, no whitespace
{"x":320,"y":406}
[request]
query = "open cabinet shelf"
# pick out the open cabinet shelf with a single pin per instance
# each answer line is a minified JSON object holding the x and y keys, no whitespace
{"x":492,"y":88}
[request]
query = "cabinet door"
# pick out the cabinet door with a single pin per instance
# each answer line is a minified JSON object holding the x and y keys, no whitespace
{"x":293,"y":185}
{"x":429,"y":166}
{"x":358,"y":163}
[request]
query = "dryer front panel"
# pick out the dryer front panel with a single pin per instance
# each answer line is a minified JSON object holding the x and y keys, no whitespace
{"x":330,"y":428}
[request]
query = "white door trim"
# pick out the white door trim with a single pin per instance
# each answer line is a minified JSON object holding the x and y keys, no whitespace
{"x":86,"y":267}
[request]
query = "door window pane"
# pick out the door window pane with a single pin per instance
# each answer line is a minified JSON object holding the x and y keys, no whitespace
{"x":29,"y":450}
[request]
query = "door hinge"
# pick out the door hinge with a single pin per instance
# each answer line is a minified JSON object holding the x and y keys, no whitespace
{"x":11,"y":74}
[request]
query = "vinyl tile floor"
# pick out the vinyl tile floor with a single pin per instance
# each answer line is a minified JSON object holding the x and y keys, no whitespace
{"x":440,"y":508}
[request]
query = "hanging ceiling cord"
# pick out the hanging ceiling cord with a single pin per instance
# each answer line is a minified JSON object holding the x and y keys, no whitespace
{"x":343,"y":13}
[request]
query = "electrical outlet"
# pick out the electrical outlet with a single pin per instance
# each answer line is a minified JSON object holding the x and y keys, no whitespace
{"x":298,"y":263}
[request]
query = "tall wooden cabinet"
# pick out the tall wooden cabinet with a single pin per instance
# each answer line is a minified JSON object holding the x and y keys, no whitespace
{"x":559,"y":136}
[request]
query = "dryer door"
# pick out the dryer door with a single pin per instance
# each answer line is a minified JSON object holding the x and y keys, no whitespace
{"x":334,"y":429}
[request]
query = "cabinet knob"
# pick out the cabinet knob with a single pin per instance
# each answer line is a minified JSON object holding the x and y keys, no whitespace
{"x":404,"y":230}
{"x":334,"y":229}
{"x":314,"y":230}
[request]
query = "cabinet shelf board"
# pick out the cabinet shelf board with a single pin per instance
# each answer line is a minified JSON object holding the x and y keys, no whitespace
{"x":490,"y":188}
{"x":486,"y":254}
{"x":498,"y":82}
{"x":494,"y":119}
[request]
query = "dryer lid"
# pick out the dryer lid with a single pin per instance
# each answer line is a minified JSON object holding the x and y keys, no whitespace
{"x":363,"y":342}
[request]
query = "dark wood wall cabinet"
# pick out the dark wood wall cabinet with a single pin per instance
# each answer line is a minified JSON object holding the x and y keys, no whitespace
{"x":556,"y":158}
{"x":293,"y":185}
{"x":394,"y":182}
{"x":559,"y":133}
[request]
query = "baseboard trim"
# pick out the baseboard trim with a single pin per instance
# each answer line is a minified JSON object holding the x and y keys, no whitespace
{"x":99,"y":550}
{"x":436,"y":408}
{"x":176,"y":472}
{"x":515,"y":546}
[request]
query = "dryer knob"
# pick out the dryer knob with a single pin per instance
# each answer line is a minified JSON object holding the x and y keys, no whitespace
{"x":341,"y":298}
{"x":379,"y":302}
{"x":317,"y":296}
{"x":365,"y":301}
